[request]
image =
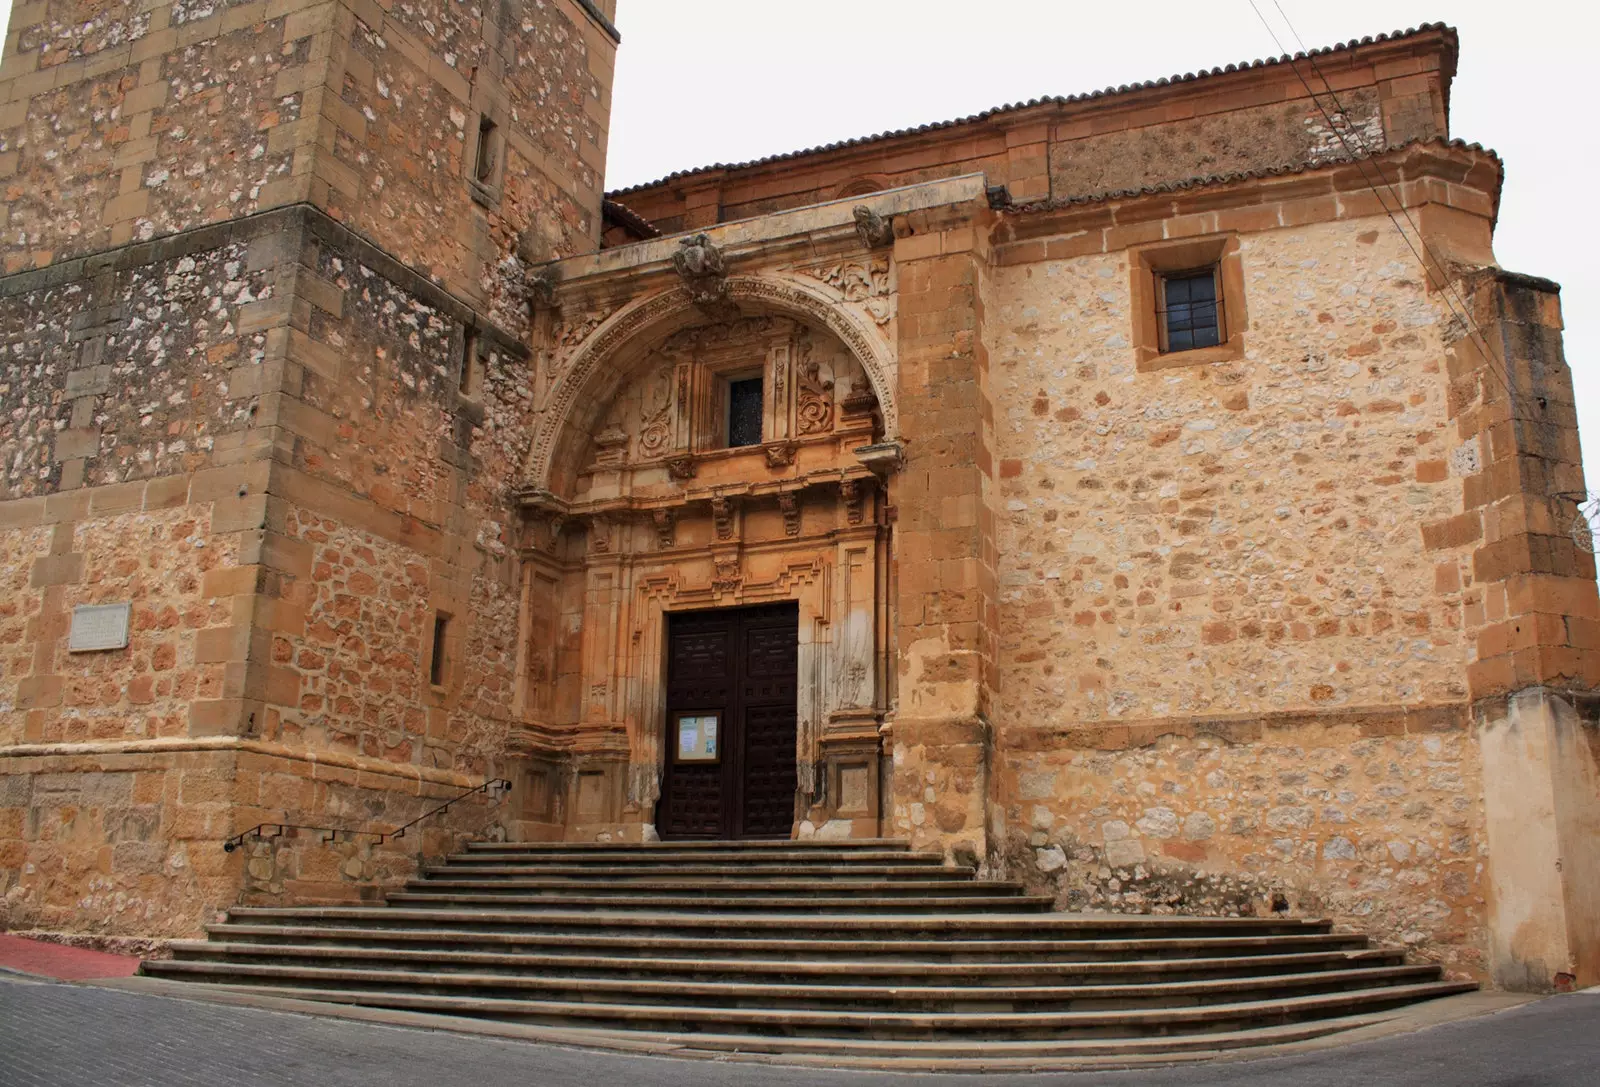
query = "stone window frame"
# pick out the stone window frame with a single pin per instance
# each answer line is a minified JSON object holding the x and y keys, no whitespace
{"x":469,"y":372}
{"x":486,"y":189}
{"x":1146,"y":265}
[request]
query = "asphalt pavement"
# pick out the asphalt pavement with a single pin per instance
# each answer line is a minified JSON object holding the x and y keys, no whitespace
{"x":55,"y":1034}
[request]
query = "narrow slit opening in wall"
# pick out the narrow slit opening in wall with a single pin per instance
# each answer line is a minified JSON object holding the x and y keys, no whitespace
{"x":484,"y":166}
{"x":469,"y":359}
{"x":441,"y":625}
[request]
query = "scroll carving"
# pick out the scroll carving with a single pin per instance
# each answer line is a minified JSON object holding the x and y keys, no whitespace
{"x":864,"y":283}
{"x":814,"y":413}
{"x":655,"y":415}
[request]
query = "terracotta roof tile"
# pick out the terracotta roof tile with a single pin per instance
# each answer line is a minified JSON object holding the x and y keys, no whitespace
{"x":1011,"y":107}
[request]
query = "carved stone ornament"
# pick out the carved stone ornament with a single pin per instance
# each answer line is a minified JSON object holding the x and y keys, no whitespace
{"x":579,"y":375}
{"x":727,"y":578}
{"x":655,"y":415}
{"x":540,"y":286}
{"x":854,"y":495}
{"x":665,"y":522}
{"x":789,"y":503}
{"x":611,"y":447}
{"x":866,"y":284}
{"x":704,"y":273}
{"x":681,"y":468}
{"x":814,"y":414}
{"x":722,"y":517}
{"x":780,"y":455}
{"x":875,"y":231}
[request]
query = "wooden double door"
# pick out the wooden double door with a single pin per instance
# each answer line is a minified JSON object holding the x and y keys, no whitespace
{"x":730,"y":743}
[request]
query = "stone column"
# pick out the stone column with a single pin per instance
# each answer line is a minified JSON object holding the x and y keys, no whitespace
{"x":1537,"y":636}
{"x":946,"y":601}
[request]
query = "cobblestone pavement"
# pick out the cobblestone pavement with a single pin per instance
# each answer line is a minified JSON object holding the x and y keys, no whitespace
{"x":58,"y":1035}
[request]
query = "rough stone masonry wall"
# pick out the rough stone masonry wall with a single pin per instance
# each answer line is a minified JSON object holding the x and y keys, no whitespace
{"x":397,"y":507}
{"x":416,"y":77}
{"x":1242,"y":537}
{"x":127,"y":120}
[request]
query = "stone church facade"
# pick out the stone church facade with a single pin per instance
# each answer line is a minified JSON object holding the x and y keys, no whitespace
{"x":1158,"y":495}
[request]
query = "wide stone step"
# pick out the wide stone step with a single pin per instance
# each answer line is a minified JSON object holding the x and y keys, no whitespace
{"x":1032,"y":971}
{"x":641,"y":873}
{"x":732,"y":903}
{"x":664,"y":858}
{"x":804,"y":996}
{"x":729,"y":888}
{"x":862,"y":953}
{"x":751,"y":845}
{"x":959,"y":1055}
{"x":812,"y":924}
{"x":878,"y":1023}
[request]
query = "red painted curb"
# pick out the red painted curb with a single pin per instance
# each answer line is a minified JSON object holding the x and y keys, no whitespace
{"x":62,"y":962}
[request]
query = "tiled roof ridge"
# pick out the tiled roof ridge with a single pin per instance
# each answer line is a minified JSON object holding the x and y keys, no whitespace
{"x":624,"y":216}
{"x":1287,"y":169}
{"x":1060,"y":100}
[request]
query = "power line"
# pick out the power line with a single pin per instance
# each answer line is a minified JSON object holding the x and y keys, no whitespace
{"x":1361,"y":157}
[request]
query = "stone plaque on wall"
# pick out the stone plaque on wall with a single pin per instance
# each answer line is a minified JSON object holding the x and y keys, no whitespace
{"x":98,"y":626}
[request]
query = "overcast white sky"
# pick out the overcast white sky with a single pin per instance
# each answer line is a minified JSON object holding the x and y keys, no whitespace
{"x":704,"y":81}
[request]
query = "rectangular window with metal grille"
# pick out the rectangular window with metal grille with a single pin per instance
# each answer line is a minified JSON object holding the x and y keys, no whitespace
{"x":744,"y":412}
{"x":1191,"y":314}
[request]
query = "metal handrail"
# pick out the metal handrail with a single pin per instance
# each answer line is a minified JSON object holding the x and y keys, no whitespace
{"x":331,"y":834}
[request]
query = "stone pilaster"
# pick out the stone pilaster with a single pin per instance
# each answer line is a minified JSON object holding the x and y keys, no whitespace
{"x":946,"y":609}
{"x":1537,"y":637}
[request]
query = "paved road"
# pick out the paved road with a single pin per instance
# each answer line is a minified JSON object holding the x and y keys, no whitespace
{"x":58,"y":1035}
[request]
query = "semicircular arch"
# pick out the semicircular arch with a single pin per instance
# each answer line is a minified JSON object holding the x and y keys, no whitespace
{"x":602,"y":362}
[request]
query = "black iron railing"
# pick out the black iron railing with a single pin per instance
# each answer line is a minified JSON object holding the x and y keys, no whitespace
{"x":264,"y":831}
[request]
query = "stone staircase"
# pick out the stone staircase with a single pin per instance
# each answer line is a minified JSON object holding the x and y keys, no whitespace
{"x":857,"y":952}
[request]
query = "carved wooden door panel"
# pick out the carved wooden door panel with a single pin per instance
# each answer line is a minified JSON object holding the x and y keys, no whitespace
{"x":736,"y":667}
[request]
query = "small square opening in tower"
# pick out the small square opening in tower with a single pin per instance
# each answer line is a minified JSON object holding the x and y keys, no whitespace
{"x":744,"y":412}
